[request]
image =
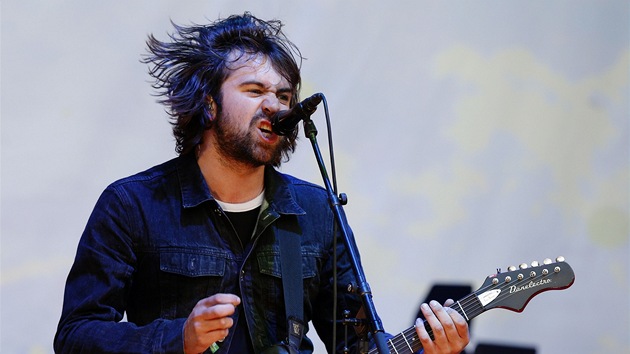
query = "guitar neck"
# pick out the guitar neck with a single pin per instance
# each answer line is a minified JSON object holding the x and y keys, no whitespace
{"x":407,"y":342}
{"x":510,"y":291}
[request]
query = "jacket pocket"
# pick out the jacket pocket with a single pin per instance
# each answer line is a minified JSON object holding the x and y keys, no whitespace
{"x":187,"y":276}
{"x":269,"y":262}
{"x":193,"y":263}
{"x":270,"y":291}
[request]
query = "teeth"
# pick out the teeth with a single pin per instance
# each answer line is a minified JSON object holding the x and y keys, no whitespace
{"x":265,"y":132}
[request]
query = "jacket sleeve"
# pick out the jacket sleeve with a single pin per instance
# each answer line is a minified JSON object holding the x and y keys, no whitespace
{"x":96,"y":290}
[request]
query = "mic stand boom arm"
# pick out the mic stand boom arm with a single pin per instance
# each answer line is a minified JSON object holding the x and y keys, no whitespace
{"x":363,"y":288}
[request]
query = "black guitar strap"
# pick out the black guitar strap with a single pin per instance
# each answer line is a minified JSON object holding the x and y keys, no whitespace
{"x":291,"y":266}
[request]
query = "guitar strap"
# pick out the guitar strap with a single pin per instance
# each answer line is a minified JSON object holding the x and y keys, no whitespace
{"x":292,"y":284}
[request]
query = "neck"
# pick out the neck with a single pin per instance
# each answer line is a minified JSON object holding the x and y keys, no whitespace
{"x":229,"y":181}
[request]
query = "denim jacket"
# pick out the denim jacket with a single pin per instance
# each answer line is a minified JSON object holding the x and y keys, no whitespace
{"x":157,"y":242}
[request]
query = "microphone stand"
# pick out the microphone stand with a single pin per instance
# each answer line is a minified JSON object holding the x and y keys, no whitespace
{"x":363,"y":287}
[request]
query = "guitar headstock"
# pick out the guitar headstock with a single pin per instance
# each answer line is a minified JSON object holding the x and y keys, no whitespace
{"x":513,"y":289}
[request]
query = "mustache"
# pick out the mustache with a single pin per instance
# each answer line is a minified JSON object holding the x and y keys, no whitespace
{"x":259,"y":116}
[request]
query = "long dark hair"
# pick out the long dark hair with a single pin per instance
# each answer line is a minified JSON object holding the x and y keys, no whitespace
{"x":192,"y":68}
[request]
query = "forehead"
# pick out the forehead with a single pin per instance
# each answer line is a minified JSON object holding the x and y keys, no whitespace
{"x":254,"y":68}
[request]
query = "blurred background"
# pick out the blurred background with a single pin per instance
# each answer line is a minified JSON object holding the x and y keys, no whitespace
{"x":468,"y":136}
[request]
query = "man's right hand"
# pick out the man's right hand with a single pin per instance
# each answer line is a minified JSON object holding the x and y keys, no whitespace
{"x":209,"y":322}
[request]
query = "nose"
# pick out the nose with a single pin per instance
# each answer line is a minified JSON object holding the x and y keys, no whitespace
{"x":270,"y":105}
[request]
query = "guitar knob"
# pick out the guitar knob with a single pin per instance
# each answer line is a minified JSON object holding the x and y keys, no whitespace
{"x":535,"y":264}
{"x":547,"y":261}
{"x":560,"y":259}
{"x":523,"y":266}
{"x":511,"y":268}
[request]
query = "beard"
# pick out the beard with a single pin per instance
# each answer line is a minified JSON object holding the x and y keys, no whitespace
{"x":246,"y":147}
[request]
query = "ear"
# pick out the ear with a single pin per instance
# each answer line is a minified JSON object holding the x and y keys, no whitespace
{"x":211,"y":107}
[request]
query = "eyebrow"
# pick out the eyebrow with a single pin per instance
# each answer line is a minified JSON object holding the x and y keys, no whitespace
{"x":258,"y":83}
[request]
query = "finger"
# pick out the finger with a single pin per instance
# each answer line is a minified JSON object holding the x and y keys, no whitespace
{"x":458,"y":320}
{"x":444,"y":317}
{"x":440,"y":323}
{"x":432,"y":327}
{"x":209,"y":330}
{"x":221,"y":325}
{"x":198,"y":336}
{"x":215,"y":312}
{"x":217,"y":299}
{"x":447,"y":327}
{"x":455,"y":327}
{"x":461,"y":325}
{"x":425,"y":333}
{"x":431,"y":312}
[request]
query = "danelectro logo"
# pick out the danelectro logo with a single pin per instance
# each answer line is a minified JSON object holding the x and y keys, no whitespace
{"x":531,"y":284}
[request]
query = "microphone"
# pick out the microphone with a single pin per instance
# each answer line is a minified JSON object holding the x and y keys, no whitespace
{"x":283,"y":122}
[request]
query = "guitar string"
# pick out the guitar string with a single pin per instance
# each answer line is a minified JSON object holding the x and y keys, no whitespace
{"x":468,"y":303}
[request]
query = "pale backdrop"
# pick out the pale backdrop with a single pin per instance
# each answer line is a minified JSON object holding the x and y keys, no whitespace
{"x":469,"y":135}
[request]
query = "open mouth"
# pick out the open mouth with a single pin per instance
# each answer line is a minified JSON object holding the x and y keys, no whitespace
{"x":265,"y":129}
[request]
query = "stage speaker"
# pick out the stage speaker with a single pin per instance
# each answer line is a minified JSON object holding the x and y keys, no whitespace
{"x":488,"y":348}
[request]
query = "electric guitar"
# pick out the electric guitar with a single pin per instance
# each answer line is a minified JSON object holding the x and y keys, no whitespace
{"x":511,"y":291}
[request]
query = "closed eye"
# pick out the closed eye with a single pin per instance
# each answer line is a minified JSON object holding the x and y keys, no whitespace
{"x":284,"y":98}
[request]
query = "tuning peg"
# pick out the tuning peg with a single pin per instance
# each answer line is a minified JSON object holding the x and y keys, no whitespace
{"x":560,"y":259}
{"x":547,"y":261}
{"x":535,"y":264}
{"x":523,"y":266}
{"x":511,"y":268}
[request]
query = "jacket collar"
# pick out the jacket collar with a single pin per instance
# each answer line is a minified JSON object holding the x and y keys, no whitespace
{"x":195,"y":191}
{"x":279,"y":192}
